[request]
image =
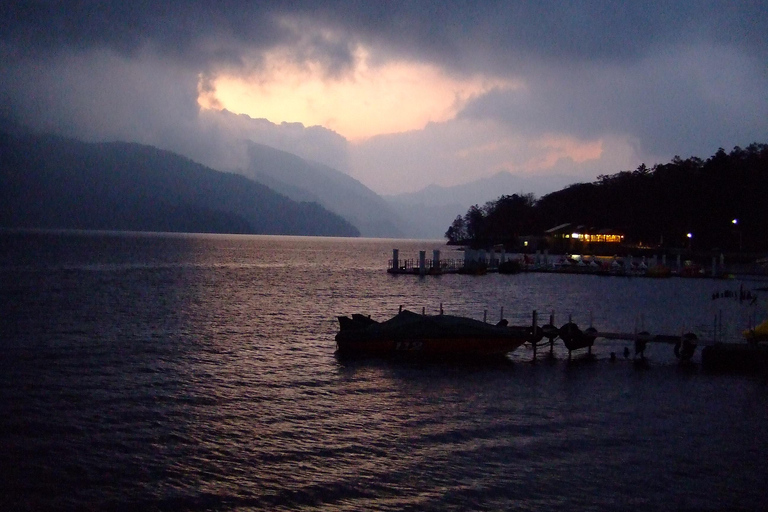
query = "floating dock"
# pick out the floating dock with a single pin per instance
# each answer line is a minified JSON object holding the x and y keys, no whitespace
{"x":478,"y":262}
{"x":716,"y":355}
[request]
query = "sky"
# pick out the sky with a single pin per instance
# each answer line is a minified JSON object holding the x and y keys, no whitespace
{"x":398,"y":95}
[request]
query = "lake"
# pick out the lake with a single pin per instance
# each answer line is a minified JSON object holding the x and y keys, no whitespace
{"x":197,"y":372}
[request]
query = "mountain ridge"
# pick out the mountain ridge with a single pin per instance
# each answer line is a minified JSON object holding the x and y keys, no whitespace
{"x":48,"y":181}
{"x":436,"y":206}
{"x":302,"y":179}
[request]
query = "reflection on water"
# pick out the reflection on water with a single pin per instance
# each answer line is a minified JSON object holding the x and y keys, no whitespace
{"x":196,"y":372}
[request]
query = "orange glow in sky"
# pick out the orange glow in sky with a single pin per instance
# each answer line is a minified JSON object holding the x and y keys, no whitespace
{"x":369,"y":100}
{"x":559,"y":147}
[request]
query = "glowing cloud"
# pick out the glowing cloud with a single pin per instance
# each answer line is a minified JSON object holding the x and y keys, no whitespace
{"x":370,"y":100}
{"x":559,"y":148}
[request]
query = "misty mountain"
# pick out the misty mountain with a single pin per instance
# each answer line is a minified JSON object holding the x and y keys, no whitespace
{"x":436,"y":206}
{"x":304,"y":180}
{"x":48,"y":181}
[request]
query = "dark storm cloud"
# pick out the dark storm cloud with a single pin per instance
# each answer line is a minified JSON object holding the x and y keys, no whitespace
{"x":171,"y":28}
{"x":704,"y":95}
{"x":671,"y":77}
{"x":199,"y":34}
{"x":459,"y":34}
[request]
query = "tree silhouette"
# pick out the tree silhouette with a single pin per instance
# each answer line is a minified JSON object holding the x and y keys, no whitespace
{"x":654,"y":206}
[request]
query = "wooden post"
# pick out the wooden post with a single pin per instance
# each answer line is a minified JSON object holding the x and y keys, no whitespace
{"x":422,"y":262}
{"x":533,"y":332}
{"x":714,"y":329}
{"x":395,"y":259}
{"x":485,"y":315}
{"x":552,"y":340}
{"x":720,"y":324}
{"x":635,"y":336}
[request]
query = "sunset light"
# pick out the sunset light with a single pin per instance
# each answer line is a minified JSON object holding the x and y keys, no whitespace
{"x":394,"y":97}
{"x":364,"y":255}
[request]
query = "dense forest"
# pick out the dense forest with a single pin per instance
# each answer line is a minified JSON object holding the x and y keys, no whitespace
{"x":718,"y":201}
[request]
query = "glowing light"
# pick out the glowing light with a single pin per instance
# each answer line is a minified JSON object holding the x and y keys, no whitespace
{"x":393,"y":97}
{"x":559,"y":147}
{"x":599,"y":237}
{"x":735,"y":221}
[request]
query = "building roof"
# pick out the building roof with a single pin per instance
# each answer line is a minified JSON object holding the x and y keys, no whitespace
{"x":556,"y":229}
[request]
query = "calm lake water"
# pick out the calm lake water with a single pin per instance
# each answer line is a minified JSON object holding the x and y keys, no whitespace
{"x":197,"y":372}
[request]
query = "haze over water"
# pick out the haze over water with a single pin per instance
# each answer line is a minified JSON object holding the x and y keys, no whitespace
{"x":197,"y":372}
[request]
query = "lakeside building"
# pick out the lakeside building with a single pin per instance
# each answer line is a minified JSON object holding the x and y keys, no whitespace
{"x":566,"y":237}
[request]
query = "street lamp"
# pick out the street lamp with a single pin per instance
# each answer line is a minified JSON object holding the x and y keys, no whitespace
{"x":735,"y":222}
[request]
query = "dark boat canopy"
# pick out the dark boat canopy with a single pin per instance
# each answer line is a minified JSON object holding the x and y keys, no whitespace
{"x":410,"y":325}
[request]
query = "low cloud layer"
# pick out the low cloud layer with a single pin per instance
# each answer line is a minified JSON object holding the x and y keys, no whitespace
{"x":580,"y":90}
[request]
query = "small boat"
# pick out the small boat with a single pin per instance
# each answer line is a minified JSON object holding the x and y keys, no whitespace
{"x":428,"y":335}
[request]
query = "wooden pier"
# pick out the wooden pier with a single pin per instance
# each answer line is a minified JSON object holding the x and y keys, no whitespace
{"x":716,"y":355}
{"x":478,"y":262}
{"x":575,"y":339}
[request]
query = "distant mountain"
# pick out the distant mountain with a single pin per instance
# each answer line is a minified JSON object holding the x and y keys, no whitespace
{"x":53,"y":182}
{"x":304,"y":180}
{"x":435,"y":206}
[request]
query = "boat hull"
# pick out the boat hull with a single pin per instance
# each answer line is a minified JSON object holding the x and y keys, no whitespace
{"x":428,"y":336}
{"x":459,"y":347}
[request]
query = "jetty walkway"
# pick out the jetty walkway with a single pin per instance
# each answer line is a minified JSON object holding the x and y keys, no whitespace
{"x":478,"y":262}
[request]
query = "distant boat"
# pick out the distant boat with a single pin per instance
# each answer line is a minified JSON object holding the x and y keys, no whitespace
{"x":428,"y":335}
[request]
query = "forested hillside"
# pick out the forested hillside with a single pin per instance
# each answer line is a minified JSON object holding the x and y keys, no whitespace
{"x":719,"y":201}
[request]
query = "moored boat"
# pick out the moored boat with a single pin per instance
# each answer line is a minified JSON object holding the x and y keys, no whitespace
{"x":428,"y":335}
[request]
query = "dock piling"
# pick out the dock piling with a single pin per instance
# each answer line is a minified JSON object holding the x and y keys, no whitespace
{"x":552,"y":340}
{"x":533,"y":333}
